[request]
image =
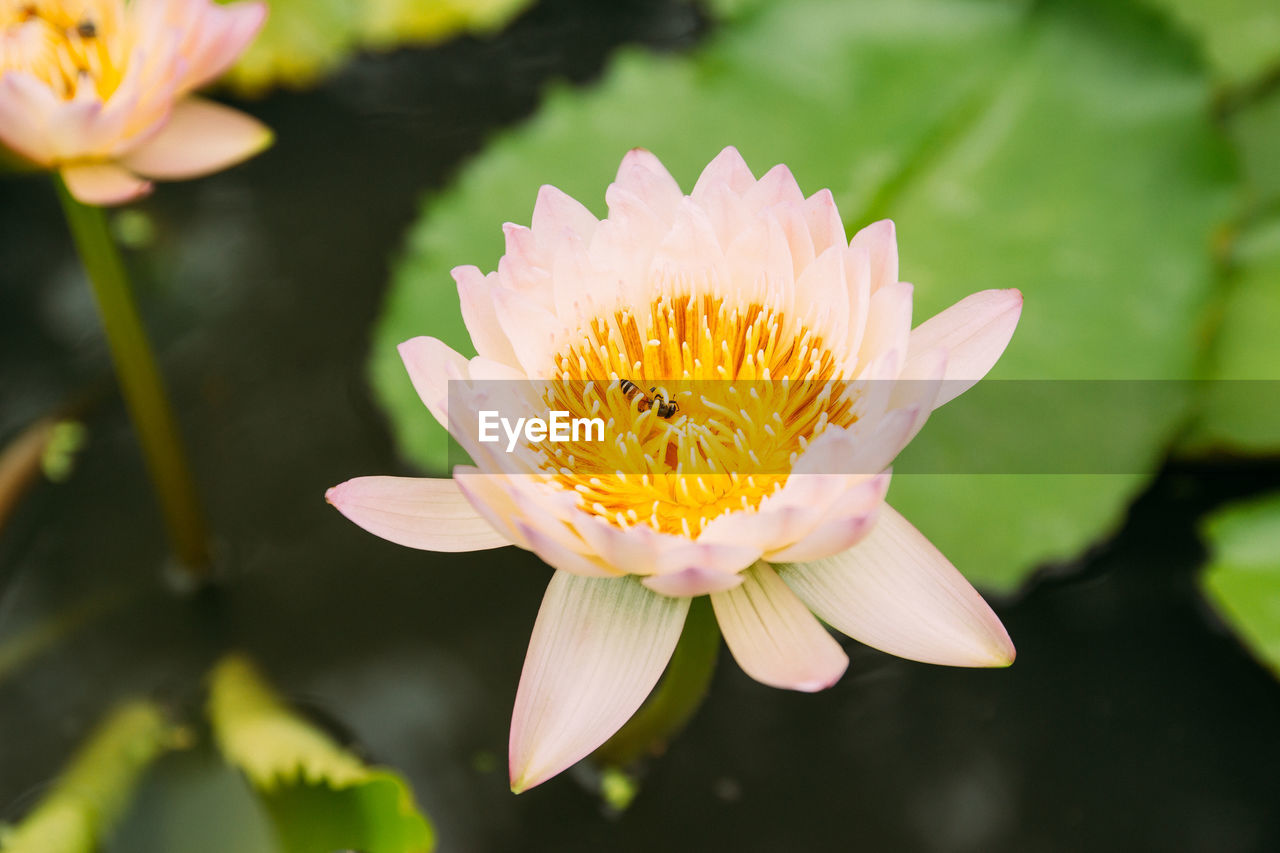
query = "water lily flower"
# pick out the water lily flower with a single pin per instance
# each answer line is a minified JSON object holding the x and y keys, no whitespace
{"x":742,"y":279}
{"x":100,"y":90}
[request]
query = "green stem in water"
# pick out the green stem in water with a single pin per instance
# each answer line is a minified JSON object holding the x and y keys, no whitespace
{"x":141,"y":386}
{"x":679,"y":695}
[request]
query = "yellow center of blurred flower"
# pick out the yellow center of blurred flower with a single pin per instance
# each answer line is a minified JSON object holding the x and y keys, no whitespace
{"x":752,"y":387}
{"x":68,"y":44}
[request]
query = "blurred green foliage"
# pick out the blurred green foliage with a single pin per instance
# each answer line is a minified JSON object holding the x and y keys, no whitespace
{"x":303,"y":40}
{"x":1065,"y":149}
{"x":1243,"y":578}
{"x":1240,"y":38}
{"x":93,"y":792}
{"x":319,"y":795}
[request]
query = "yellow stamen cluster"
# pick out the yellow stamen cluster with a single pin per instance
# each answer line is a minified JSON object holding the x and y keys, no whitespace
{"x":67,"y":44}
{"x":753,"y":388}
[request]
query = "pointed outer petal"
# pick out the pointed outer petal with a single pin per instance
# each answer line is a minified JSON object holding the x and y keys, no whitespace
{"x":431,"y":364}
{"x":888,"y":321}
{"x":690,"y":255}
{"x":419,"y":512}
{"x":974,"y":332}
{"x":896,"y":592}
{"x":778,"y":186}
{"x":103,"y":184}
{"x":823,"y":295}
{"x":201,"y":137}
{"x":598,"y":648}
{"x":25,"y":107}
{"x":556,"y":214}
{"x":534,"y":332}
{"x":692,"y":582}
{"x":479,"y":316}
{"x":774,"y":637}
{"x":729,"y":171}
{"x":880,"y":239}
{"x":643,"y":174}
{"x":556,"y":555}
{"x":526,"y":266}
{"x":857,"y":278}
{"x":825,"y":228}
{"x":846,"y":522}
{"x":759,"y":265}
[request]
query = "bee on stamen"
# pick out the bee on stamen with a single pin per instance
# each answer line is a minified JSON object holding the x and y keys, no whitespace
{"x":666,"y":409}
{"x":87,"y":30}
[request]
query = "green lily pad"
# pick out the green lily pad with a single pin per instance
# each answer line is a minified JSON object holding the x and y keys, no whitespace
{"x":1240,"y":38}
{"x":1242,"y":581}
{"x":1241,"y":409}
{"x":303,"y":40}
{"x":95,"y":790}
{"x":1255,"y":130}
{"x":1065,"y":151}
{"x":319,"y":795}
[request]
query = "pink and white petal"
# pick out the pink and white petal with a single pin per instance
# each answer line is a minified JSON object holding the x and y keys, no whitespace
{"x":825,"y":228}
{"x":759,"y":265}
{"x":774,"y":637}
{"x":432,"y":365}
{"x":216,"y":35}
{"x":857,"y":278}
{"x":727,"y":170}
{"x":847,"y":520}
{"x":896,"y":592}
{"x":559,"y":556}
{"x":888,"y":322}
{"x":778,"y":186}
{"x":25,"y":107}
{"x":880,"y":239}
{"x":103,"y":184}
{"x":598,"y":647}
{"x":974,"y":333}
{"x":534,"y":331}
{"x":201,"y":137}
{"x":822,"y":293}
{"x":691,"y":582}
{"x":488,"y":497}
{"x":689,"y":258}
{"x":479,"y":316}
{"x":418,"y":512}
{"x":557,"y":216}
{"x":795,"y":227}
{"x":640,"y":172}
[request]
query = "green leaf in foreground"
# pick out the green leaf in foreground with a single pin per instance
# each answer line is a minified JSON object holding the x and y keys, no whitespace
{"x":1242,"y":580}
{"x":319,"y":795}
{"x":1064,"y":151}
{"x":92,"y":794}
{"x":303,"y":40}
{"x":1241,"y":409}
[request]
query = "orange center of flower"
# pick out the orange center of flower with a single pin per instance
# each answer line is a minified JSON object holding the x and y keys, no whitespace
{"x":67,"y":44}
{"x":751,"y":387}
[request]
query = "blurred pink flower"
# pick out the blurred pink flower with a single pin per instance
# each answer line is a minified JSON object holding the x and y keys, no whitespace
{"x":742,"y":279}
{"x":100,"y":90}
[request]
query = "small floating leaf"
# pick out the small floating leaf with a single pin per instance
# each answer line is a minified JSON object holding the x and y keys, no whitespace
{"x":1242,"y":580}
{"x":319,"y":795}
{"x":94,"y":791}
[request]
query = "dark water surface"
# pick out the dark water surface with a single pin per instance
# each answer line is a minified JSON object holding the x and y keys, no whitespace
{"x":1130,"y":722}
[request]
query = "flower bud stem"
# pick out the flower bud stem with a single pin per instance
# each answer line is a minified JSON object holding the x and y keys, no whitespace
{"x":680,"y":694}
{"x":141,"y":387}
